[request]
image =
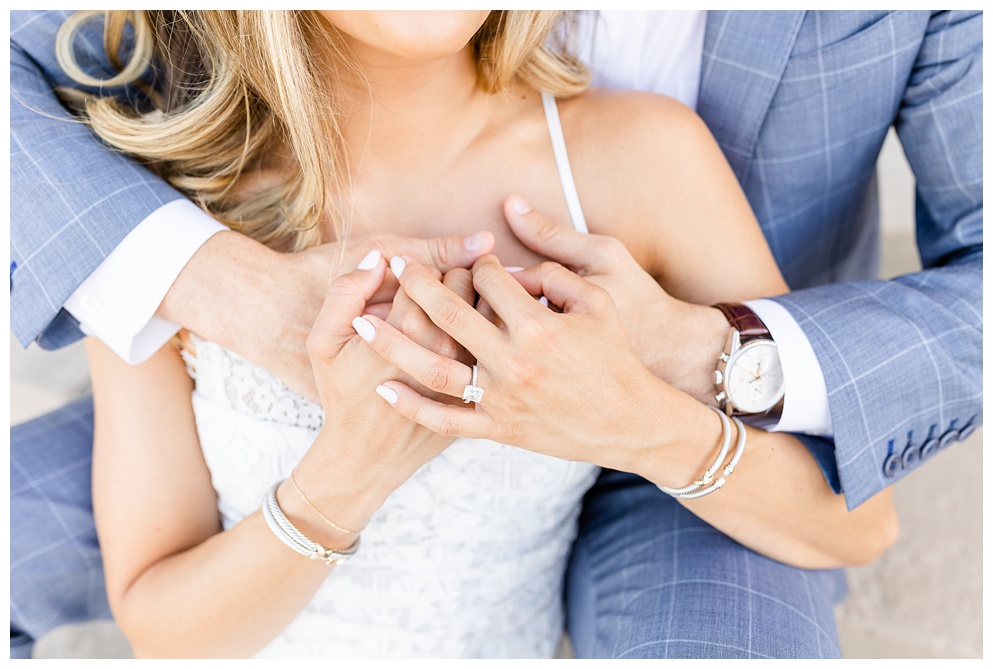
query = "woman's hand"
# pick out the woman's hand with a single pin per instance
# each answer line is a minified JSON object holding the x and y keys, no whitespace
{"x":565,"y":384}
{"x":365,"y":449}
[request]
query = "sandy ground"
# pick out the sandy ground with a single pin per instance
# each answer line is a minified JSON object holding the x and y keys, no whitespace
{"x":923,"y":599}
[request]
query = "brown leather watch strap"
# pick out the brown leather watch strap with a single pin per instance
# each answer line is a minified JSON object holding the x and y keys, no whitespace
{"x":744,"y":320}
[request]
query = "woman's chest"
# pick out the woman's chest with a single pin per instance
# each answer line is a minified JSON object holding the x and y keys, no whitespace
{"x":461,"y":200}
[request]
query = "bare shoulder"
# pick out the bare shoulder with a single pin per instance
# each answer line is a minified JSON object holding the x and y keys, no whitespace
{"x":605,"y":124}
{"x":635,"y":154}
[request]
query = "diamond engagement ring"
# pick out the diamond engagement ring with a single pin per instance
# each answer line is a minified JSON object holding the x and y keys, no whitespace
{"x":472,"y":393}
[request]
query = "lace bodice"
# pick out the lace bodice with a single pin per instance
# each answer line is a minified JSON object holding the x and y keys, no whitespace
{"x":465,"y":559}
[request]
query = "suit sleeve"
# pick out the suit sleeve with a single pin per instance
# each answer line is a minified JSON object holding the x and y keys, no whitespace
{"x":71,"y":199}
{"x":902,"y":359}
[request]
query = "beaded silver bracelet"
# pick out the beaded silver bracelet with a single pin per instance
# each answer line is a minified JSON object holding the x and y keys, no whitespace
{"x":706,"y":484}
{"x":295,"y":539}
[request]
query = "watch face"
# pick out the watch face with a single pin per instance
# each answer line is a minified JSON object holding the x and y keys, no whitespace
{"x":754,"y":377}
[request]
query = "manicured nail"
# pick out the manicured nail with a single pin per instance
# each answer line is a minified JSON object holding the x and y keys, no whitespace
{"x":513,"y":269}
{"x":387,"y":394}
{"x":475,"y":242}
{"x":364,"y":328}
{"x":543,"y":301}
{"x":518,"y":204}
{"x":371,"y":260}
{"x":397,"y":264}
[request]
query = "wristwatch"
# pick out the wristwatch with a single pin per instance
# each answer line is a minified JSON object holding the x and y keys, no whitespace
{"x":749,"y":374}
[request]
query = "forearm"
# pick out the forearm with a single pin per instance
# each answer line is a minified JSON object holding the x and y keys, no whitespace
{"x":71,"y":200}
{"x":776,"y":501}
{"x":231,"y":594}
{"x":226,"y":597}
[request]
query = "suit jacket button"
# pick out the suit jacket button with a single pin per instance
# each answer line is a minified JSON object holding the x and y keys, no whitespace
{"x":948,"y":437}
{"x":929,"y":448}
{"x":892,"y":465}
{"x":966,"y":431}
{"x":911,"y":456}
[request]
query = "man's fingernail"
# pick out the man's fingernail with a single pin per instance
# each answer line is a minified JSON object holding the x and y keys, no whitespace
{"x":475,"y":242}
{"x":518,"y":204}
{"x":397,"y":264}
{"x":543,"y":301}
{"x":387,"y":394}
{"x":364,"y":328}
{"x":371,"y":260}
{"x":513,"y":269}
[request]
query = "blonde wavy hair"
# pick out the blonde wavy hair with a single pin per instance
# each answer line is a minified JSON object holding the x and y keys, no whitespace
{"x":232,"y":92}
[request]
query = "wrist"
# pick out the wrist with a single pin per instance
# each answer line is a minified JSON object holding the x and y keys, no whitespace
{"x":226,"y":266}
{"x":341,"y":482}
{"x":701,"y":334}
{"x":687,"y":438}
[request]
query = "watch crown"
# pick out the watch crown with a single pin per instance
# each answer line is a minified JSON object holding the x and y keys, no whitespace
{"x":718,"y":377}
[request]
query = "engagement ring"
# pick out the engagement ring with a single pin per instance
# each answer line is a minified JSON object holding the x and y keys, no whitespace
{"x":472,"y":393}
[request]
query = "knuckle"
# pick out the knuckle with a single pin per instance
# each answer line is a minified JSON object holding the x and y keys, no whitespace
{"x":448,"y":426}
{"x":415,"y":281}
{"x":522,"y":369}
{"x":438,"y":376}
{"x":451,"y":316}
{"x":599,"y":299}
{"x":441,"y":252}
{"x":345,"y":285}
{"x":410,"y":322}
{"x":533,"y":328}
{"x":486,"y":269}
{"x":549,"y":267}
{"x":546,"y":230}
{"x":611,"y":247}
{"x":386,"y":347}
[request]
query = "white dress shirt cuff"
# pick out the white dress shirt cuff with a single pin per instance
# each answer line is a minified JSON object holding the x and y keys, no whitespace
{"x":805,"y":408}
{"x":117,"y":302}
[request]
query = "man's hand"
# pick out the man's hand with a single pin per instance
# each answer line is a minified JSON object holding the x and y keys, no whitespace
{"x":678,"y":341}
{"x":262,"y":304}
{"x":541,"y":391}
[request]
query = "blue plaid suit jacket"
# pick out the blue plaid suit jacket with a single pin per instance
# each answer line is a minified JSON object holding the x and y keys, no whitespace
{"x":799,"y":101}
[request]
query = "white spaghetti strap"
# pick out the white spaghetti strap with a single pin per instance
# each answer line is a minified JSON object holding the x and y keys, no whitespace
{"x":562,"y":161}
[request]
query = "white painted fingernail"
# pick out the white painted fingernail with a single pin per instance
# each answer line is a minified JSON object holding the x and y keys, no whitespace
{"x":397,"y":264}
{"x":371,"y":260}
{"x":513,"y":269}
{"x":387,"y":394}
{"x":364,"y":328}
{"x":543,"y":301}
{"x":475,"y":242}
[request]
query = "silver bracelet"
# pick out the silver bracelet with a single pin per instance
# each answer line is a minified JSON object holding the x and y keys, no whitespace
{"x":739,"y":447}
{"x":295,"y":539}
{"x":707,"y":480}
{"x":706,"y":484}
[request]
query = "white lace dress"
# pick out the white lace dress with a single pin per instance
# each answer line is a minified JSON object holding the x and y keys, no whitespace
{"x":465,"y":559}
